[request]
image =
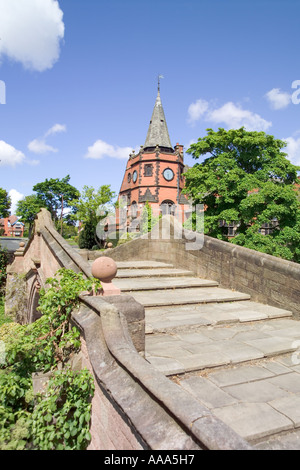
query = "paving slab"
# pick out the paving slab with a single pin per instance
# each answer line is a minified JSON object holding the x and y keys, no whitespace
{"x":289,"y":360}
{"x":207,"y":393}
{"x":142,"y":264}
{"x":289,"y":382}
{"x":289,"y":406}
{"x":270,"y":311}
{"x":196,"y":295}
{"x":240,"y":352}
{"x":276,"y":368}
{"x":253,"y":420}
{"x":204,"y":360}
{"x":167,"y":366}
{"x":289,"y":441}
{"x":239,"y":375}
{"x":205,"y":346}
{"x":261,"y":391}
{"x":175,"y":316}
{"x":154,"y":272}
{"x":273,"y":345}
{"x":179,"y":282}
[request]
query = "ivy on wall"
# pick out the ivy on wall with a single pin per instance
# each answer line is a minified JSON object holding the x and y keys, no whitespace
{"x":57,"y":418}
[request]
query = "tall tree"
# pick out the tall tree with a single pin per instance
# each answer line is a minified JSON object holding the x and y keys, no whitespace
{"x":57,"y":195}
{"x":91,"y":207}
{"x":5,"y":203}
{"x":246,"y":179}
{"x":27,"y":209}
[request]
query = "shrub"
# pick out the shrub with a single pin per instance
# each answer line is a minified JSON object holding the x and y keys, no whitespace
{"x":59,"y":417}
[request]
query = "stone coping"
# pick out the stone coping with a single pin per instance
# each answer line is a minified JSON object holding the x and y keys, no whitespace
{"x":197,"y":420}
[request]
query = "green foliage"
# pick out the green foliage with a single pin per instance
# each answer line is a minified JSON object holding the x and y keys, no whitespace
{"x":28,"y":207}
{"x":92,"y":206}
{"x":148,"y":220}
{"x":3,"y":318}
{"x":127,"y":237}
{"x":56,"y":195}
{"x":87,"y":236}
{"x":4,"y":259}
{"x":5,"y":203}
{"x":68,"y":229}
{"x":246,"y":179}
{"x":59,"y":418}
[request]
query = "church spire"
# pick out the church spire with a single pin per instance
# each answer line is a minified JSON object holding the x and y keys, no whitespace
{"x":158,"y":131}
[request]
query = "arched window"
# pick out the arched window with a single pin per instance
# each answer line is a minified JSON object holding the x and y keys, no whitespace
{"x":133,"y":209}
{"x":167,"y":207}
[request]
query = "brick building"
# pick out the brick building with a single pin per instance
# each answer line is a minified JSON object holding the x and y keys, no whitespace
{"x":11,"y":227}
{"x":155,"y":174}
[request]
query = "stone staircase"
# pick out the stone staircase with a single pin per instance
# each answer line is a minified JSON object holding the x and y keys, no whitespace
{"x":237,"y":357}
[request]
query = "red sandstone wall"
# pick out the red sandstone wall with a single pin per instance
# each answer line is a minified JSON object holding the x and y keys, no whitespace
{"x":108,"y":429}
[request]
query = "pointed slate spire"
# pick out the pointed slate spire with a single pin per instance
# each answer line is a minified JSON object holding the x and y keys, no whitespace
{"x":158,"y":131}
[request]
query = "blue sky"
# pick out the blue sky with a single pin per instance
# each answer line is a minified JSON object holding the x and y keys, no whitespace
{"x":78,"y":80}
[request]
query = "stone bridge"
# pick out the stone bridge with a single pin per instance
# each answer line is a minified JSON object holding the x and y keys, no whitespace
{"x":198,"y":351}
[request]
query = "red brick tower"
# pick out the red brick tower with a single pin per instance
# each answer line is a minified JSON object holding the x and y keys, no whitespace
{"x":155,"y":174}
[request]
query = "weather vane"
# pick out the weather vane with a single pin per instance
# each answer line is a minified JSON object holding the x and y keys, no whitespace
{"x":159,"y":77}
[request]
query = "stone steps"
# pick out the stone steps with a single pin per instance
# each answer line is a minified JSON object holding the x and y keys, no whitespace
{"x":178,"y":318}
{"x":239,"y":358}
{"x":208,"y":347}
{"x":164,"y":284}
{"x":142,"y":264}
{"x":154,"y":272}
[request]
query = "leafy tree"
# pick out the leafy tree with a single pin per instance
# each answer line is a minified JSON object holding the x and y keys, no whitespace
{"x":27,"y":209}
{"x":68,"y":230}
{"x":246,"y":179}
{"x":5,"y":203}
{"x":57,"y":195}
{"x":91,"y":207}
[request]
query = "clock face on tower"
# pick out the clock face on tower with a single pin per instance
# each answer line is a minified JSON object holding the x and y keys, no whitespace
{"x":168,"y":174}
{"x":134,"y":176}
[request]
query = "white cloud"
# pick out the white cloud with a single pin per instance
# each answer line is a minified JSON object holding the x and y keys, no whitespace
{"x":40,"y":147}
{"x":234,"y":117}
{"x":56,"y":129}
{"x":197,"y":110}
{"x":15,"y":196}
{"x":230,"y":114}
{"x":31,"y":32}
{"x":101,"y":149}
{"x":278,"y":99}
{"x":33,"y":162}
{"x":293,"y":149}
{"x":9,"y":155}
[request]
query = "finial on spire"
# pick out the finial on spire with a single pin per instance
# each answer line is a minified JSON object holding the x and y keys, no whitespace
{"x":159,"y":77}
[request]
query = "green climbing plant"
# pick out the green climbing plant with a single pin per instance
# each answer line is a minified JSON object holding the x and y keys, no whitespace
{"x":58,"y":418}
{"x":4,"y":259}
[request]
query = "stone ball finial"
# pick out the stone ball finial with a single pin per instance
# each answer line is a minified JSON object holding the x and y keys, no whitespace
{"x":22,"y":244}
{"x":104,"y":268}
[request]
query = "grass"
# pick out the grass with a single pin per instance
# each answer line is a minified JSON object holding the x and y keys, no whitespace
{"x":71,"y":242}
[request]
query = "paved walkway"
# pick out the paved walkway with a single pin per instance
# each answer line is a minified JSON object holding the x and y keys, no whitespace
{"x":239,"y":358}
